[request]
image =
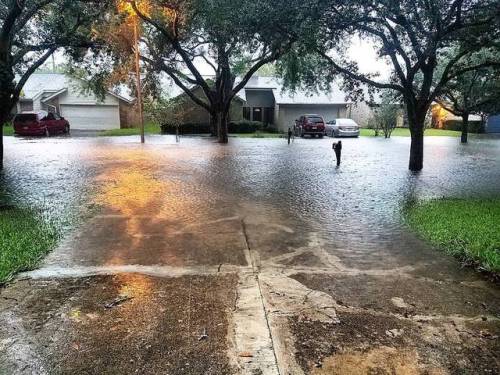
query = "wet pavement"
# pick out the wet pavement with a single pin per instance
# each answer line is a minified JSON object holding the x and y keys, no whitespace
{"x":252,"y":258}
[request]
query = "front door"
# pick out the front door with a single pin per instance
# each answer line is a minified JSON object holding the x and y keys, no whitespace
{"x":257,"y":114}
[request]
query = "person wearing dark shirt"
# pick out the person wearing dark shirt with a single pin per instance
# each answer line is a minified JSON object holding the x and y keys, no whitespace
{"x":337,"y":147}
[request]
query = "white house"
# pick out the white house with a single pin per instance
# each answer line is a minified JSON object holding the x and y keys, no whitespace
{"x":62,"y":94}
{"x":264,"y":99}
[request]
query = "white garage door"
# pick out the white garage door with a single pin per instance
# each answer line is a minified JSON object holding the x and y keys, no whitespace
{"x":92,"y":117}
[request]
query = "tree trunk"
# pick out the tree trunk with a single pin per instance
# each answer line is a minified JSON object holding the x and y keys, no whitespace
{"x":1,"y":147}
{"x":4,"y":117}
{"x":416,"y":123}
{"x":465,"y":128}
{"x":7,"y":101}
{"x":213,"y":125}
{"x":222,"y":131}
{"x":417,"y":151}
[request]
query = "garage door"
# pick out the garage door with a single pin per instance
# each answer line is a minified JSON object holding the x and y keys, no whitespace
{"x":92,"y":117}
{"x":493,"y":125}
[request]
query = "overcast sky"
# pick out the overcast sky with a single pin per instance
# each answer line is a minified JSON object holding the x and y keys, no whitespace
{"x":366,"y":56}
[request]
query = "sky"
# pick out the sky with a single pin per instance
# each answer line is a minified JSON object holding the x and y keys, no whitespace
{"x":364,"y":53}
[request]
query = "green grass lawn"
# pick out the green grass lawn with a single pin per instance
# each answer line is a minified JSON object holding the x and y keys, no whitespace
{"x":467,"y":229}
{"x":25,"y":237}
{"x":8,"y":130}
{"x":149,"y":128}
{"x":404,"y":132}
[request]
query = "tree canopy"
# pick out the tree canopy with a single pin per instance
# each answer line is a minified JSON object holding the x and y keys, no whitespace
{"x":413,"y":36}
{"x":474,"y":92}
{"x":233,"y":38}
{"x":31,"y":31}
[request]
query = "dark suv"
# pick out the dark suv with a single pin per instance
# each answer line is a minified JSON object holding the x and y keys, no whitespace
{"x":310,"y":124}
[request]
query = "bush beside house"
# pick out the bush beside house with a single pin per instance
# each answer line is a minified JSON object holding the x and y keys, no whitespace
{"x":243,"y":126}
{"x":474,"y":126}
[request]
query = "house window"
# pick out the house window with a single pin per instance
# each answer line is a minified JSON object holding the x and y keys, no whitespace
{"x":246,"y":113}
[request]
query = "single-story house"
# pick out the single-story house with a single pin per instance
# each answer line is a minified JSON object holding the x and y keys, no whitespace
{"x":264,"y":99}
{"x":62,"y":94}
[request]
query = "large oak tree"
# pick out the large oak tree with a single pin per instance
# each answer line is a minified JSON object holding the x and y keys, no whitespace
{"x":474,"y":92}
{"x":413,"y":36}
{"x":30,"y":32}
{"x":233,"y":38}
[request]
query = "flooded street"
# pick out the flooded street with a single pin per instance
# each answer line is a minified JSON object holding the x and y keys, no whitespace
{"x":256,"y":258}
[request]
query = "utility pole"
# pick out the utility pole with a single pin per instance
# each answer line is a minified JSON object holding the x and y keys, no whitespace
{"x":138,"y":73}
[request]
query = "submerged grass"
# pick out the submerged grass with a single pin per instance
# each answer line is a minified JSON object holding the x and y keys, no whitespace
{"x":8,"y":130}
{"x":149,"y":128}
{"x":467,"y":229}
{"x":404,"y":132}
{"x":26,"y":235}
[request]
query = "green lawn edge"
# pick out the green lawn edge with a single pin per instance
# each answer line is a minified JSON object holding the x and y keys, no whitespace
{"x":464,"y":228}
{"x":405,"y":132}
{"x":151,"y":129}
{"x":8,"y":130}
{"x":26,"y":236}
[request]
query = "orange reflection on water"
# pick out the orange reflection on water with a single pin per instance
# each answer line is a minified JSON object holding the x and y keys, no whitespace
{"x":133,"y":188}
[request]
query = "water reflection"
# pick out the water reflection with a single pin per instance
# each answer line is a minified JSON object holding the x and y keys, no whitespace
{"x":162,"y":187}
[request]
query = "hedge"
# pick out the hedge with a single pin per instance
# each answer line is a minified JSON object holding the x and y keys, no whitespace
{"x":245,"y":126}
{"x":233,"y":127}
{"x":474,"y":126}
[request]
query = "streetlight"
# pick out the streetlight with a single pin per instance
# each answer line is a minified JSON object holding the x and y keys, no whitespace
{"x":126,"y":6}
{"x":138,"y":74}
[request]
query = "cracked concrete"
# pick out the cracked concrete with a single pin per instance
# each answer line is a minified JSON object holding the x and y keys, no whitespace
{"x":170,"y":277}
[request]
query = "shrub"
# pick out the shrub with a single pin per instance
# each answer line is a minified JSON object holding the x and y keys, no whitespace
{"x":245,"y":126}
{"x":270,"y":128}
{"x":188,"y":128}
{"x":474,"y":126}
{"x":233,"y":127}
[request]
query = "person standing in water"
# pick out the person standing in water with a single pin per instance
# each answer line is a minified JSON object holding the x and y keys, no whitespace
{"x":289,"y":135}
{"x":337,"y":147}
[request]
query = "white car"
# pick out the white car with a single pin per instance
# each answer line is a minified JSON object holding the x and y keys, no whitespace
{"x":342,"y":127}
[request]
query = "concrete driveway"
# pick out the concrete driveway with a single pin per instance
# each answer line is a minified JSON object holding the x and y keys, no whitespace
{"x":251,"y":258}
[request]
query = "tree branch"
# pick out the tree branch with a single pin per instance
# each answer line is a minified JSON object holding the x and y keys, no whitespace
{"x":32,"y":69}
{"x":360,"y":77}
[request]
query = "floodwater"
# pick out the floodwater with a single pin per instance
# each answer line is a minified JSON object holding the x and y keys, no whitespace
{"x":300,"y":265}
{"x":354,"y":209}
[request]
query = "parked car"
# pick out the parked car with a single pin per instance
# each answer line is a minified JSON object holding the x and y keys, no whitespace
{"x":342,"y":127}
{"x":40,"y":123}
{"x":313,"y":125}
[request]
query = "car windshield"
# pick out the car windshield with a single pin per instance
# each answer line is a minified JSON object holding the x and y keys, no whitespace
{"x":347,"y":122}
{"x":25,"y":117}
{"x":315,"y":119}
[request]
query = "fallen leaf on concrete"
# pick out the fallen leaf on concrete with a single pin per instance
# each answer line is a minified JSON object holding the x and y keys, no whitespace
{"x":394,"y":332}
{"x":245,"y":354}
{"x":117,"y":301}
